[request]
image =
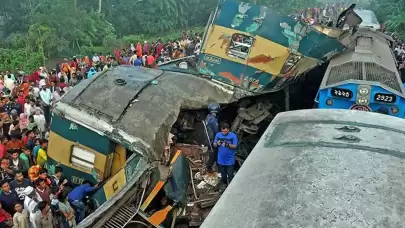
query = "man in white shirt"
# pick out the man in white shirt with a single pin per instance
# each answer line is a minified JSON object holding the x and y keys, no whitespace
{"x":30,"y":202}
{"x":42,"y":83}
{"x":29,"y":108}
{"x":96,"y":58}
{"x":43,"y":72}
{"x":46,"y":98}
{"x":8,"y":75}
{"x":132,"y":48}
{"x":9,"y":83}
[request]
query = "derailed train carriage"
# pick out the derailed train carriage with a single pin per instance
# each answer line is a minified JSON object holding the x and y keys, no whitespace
{"x":364,"y":77}
{"x":113,"y":130}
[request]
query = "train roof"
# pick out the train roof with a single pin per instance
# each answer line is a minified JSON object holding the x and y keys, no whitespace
{"x":367,"y":16}
{"x":368,"y":59}
{"x":319,"y":168}
{"x":137,"y":106}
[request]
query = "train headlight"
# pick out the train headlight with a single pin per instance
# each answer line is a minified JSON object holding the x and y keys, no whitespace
{"x":329,"y":102}
{"x":362,"y":101}
{"x":363,"y":91}
{"x":394,"y":110}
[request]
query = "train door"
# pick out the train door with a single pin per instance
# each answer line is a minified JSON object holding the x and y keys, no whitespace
{"x":118,"y":158}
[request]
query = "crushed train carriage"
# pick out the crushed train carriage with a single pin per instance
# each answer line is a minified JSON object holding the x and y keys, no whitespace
{"x":253,"y":48}
{"x":113,"y":129}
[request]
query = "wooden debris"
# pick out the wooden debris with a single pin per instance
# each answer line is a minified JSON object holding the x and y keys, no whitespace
{"x":208,"y":204}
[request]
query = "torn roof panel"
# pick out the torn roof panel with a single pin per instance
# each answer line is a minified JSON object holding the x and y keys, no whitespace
{"x":147,"y":111}
{"x":114,"y":88}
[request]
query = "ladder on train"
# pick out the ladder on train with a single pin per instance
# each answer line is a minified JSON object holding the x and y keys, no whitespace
{"x":122,"y":217}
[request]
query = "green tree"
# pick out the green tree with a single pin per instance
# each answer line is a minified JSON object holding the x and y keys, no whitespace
{"x":65,"y":27}
{"x":392,"y":13}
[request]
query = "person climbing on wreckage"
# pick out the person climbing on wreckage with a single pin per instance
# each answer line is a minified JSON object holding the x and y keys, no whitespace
{"x":212,"y":128}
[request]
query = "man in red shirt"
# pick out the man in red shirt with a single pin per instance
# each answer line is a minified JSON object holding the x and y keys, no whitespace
{"x":3,"y":142}
{"x":117,"y":54}
{"x":150,"y":61}
{"x":73,"y":63}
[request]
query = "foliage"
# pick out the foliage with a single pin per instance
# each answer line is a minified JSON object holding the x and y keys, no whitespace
{"x":49,"y":28}
{"x":392,"y":12}
{"x":111,"y":42}
{"x":18,"y":58}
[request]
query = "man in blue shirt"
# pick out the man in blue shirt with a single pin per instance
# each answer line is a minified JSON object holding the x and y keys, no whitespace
{"x":226,"y":142}
{"x":8,"y":197}
{"x":138,"y":62}
{"x":76,"y":197}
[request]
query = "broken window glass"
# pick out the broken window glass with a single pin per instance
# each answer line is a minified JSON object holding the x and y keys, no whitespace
{"x":240,"y":46}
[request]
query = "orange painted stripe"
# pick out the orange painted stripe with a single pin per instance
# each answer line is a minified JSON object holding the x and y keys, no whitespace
{"x":176,"y":156}
{"x":152,"y":195}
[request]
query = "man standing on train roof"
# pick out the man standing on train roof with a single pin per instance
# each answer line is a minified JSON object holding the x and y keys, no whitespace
{"x":211,"y":123}
{"x":226,"y":142}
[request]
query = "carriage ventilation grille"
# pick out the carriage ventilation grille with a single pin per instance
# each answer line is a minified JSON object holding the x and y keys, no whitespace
{"x":354,"y":71}
{"x":377,"y":73}
{"x":346,"y":71}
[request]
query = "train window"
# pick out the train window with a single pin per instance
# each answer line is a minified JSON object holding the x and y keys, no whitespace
{"x":240,"y":46}
{"x":82,"y":158}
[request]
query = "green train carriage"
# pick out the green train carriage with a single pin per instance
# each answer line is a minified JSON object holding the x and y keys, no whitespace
{"x":113,"y":129}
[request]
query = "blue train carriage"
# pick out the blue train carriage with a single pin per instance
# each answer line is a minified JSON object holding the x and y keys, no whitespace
{"x":364,"y":77}
{"x":253,"y":48}
{"x":113,"y":129}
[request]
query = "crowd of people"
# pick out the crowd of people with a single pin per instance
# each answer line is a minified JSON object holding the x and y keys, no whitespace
{"x":31,"y":196}
{"x":399,"y":52}
{"x":145,"y":54}
{"x":320,"y":15}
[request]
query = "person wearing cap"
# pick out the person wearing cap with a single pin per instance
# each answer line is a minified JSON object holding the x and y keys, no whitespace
{"x":211,"y":123}
{"x":31,"y":200}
